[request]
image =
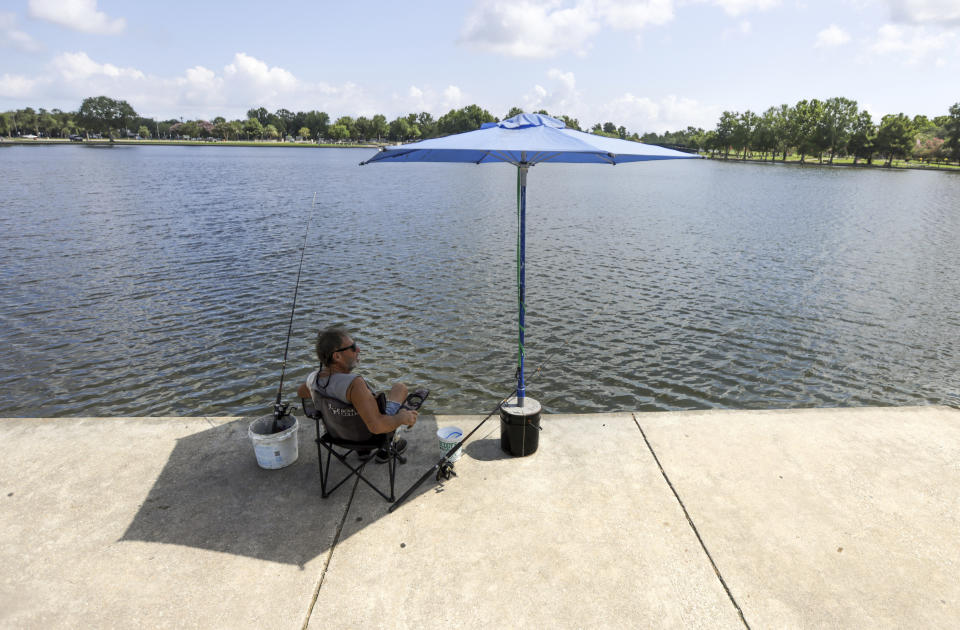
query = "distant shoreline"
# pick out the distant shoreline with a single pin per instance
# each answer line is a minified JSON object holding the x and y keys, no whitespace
{"x":181,"y":143}
{"x":793,"y":160}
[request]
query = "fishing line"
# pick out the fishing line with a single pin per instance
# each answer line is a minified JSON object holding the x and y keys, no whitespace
{"x":279,"y":408}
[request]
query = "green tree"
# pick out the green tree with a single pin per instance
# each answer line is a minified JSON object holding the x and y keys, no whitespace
{"x":104,"y":114}
{"x":895,"y":136}
{"x":347,"y":123}
{"x":47,"y":124}
{"x":765,"y":138}
{"x":190,"y":129}
{"x":338,"y":132}
{"x":253,"y":128}
{"x":951,"y":127}
{"x":514,"y":111}
{"x":26,"y":120}
{"x":221,"y":128}
{"x":362,"y":128}
{"x":572,"y":123}
{"x":286,"y":118}
{"x":807,"y":127}
{"x":318,"y":123}
{"x":839,"y":115}
{"x":379,"y":127}
{"x":270,"y":132}
{"x":143,"y":132}
{"x":427,"y":125}
{"x":234,"y":129}
{"x":468,"y":118}
{"x":260,"y":113}
{"x":304,"y":133}
{"x":862,"y":135}
{"x":744,"y":131}
{"x":404,"y":128}
{"x":726,"y":127}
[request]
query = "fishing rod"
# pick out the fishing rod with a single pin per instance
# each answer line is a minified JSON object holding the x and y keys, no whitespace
{"x":444,"y":467}
{"x":279,"y":408}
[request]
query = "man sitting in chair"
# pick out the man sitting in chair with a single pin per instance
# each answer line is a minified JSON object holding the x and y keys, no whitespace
{"x":339,"y":355}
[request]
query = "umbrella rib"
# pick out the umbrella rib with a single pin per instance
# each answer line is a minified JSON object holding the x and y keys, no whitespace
{"x":537,"y":158}
{"x":503,"y":157}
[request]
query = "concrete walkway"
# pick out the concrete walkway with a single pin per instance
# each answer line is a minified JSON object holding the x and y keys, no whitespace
{"x":845,"y":518}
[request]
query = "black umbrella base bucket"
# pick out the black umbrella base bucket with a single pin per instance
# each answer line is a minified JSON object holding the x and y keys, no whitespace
{"x":520,"y":427}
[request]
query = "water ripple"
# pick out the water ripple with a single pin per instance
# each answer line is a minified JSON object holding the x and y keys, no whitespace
{"x":158,"y":280}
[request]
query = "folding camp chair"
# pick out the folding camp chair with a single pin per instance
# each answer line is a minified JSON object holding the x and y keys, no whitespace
{"x":343,"y":433}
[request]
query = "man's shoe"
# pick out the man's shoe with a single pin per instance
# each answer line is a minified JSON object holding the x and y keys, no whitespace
{"x":399,"y":446}
{"x":365,"y":455}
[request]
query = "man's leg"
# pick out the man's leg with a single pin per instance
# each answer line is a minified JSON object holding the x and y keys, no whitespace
{"x":398,"y":394}
{"x":395,"y":399}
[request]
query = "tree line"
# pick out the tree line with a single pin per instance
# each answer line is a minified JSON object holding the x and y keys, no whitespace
{"x":835,"y":127}
{"x":811,"y":128}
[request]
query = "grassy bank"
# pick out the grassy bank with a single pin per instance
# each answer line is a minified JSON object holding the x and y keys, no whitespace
{"x":794,"y":159}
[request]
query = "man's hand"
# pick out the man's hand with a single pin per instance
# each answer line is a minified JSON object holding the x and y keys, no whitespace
{"x":407,"y":417}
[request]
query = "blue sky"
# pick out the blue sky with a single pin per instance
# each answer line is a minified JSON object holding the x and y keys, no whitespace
{"x":650,"y":65}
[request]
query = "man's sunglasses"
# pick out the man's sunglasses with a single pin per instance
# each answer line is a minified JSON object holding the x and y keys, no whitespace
{"x":352,"y":346}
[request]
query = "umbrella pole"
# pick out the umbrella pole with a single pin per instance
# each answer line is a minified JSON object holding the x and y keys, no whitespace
{"x":522,"y":169}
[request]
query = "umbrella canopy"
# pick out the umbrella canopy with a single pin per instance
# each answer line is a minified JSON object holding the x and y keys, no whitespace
{"x":524,"y":141}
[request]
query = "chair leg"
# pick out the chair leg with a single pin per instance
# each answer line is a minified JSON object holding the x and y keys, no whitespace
{"x":323,"y":475}
{"x":393,"y":471}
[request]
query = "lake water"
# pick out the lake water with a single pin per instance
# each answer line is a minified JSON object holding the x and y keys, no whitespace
{"x":158,"y":281}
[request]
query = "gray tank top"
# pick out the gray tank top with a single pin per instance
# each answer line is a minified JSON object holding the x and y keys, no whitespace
{"x":340,"y":418}
{"x":336,"y":387}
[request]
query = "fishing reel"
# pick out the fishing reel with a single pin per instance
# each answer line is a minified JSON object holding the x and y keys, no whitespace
{"x":445,"y":472}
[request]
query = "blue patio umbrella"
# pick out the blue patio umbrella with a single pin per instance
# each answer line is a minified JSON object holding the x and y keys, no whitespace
{"x":524,"y":141}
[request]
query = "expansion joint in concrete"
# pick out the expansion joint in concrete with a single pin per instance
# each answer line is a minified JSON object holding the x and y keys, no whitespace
{"x":692,"y":525}
{"x":326,"y":562}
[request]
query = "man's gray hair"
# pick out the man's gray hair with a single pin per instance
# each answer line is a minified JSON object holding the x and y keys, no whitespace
{"x":328,"y":342}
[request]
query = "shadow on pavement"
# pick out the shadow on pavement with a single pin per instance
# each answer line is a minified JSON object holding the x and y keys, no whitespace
{"x":212,"y":495}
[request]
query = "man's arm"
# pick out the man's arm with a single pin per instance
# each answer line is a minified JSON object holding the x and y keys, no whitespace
{"x":359,"y":395}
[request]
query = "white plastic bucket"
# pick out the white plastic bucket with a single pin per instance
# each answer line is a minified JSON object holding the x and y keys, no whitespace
{"x":449,"y":437}
{"x":274,"y":450}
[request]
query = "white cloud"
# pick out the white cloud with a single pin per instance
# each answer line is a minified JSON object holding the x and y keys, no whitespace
{"x":546,"y":28}
{"x":562,"y":98}
{"x":527,"y":28}
{"x":79,"y":66}
{"x":416,"y":100}
{"x":17,"y":87}
{"x":250,"y":69}
{"x":79,"y":15}
{"x":910,"y":43}
{"x":12,"y":37}
{"x":635,"y":15}
{"x":739,"y":7}
{"x":197,"y":93}
{"x":452,"y":98}
{"x":671,"y":113}
{"x":933,"y":12}
{"x":831,"y":37}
